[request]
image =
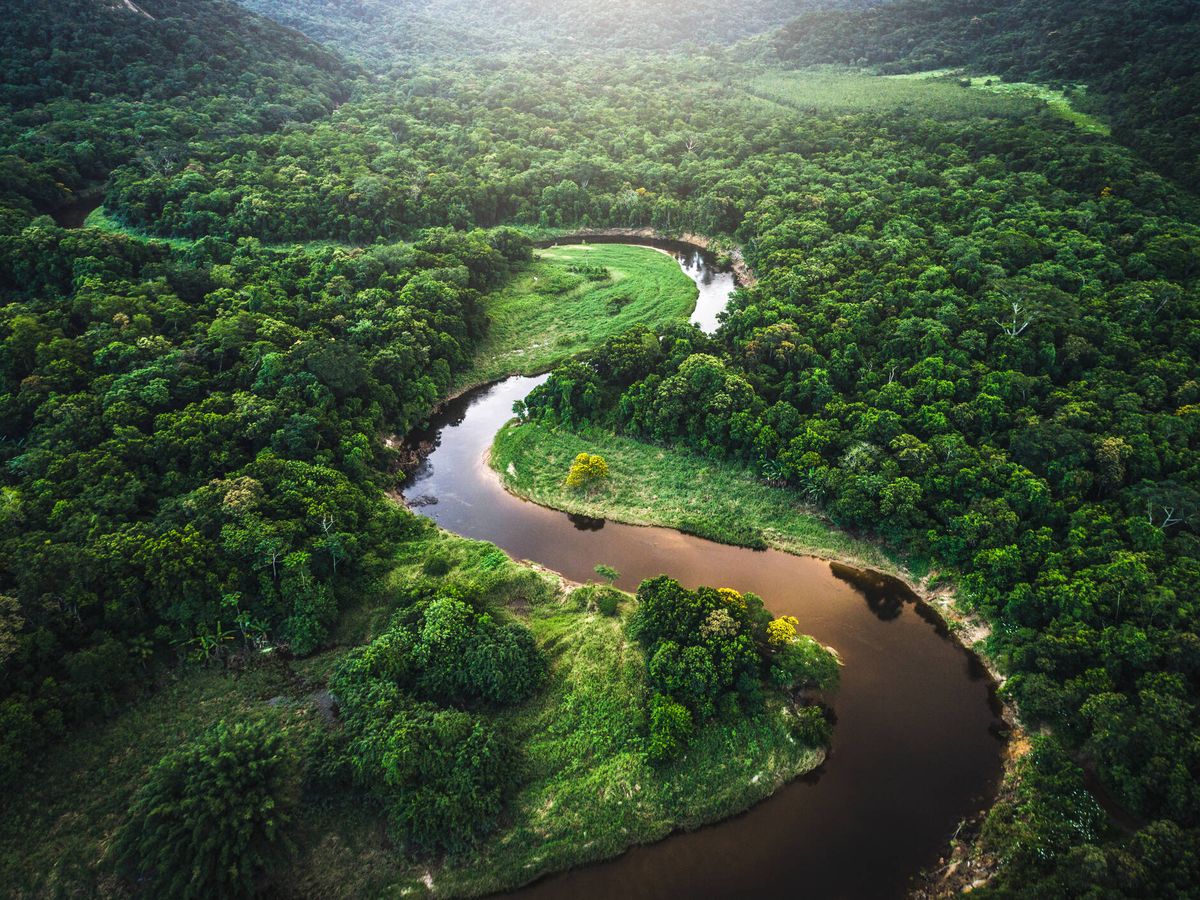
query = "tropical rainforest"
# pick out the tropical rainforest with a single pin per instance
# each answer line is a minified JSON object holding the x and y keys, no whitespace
{"x":242,"y":246}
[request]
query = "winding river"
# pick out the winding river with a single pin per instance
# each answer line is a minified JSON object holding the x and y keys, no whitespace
{"x":915,"y":748}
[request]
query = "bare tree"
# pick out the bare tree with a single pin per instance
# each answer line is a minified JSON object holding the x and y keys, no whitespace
{"x":1020,"y":321}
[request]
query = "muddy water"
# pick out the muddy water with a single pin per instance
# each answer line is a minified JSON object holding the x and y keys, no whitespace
{"x":915,"y":747}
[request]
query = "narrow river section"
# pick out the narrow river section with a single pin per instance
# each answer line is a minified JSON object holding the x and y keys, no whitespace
{"x":916,"y":744}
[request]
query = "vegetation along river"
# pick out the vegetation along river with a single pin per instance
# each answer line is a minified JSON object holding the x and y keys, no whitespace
{"x":915,"y":748}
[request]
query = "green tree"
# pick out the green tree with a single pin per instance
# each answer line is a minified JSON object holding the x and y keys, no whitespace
{"x":212,"y":816}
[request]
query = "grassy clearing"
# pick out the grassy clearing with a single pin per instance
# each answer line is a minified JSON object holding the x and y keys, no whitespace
{"x":1056,"y":100}
{"x":651,"y":485}
{"x":548,"y":314}
{"x":585,"y":792}
{"x":829,"y":89}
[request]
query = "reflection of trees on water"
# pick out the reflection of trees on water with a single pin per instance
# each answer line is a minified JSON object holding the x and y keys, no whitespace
{"x":585,"y":523}
{"x":884,"y":594}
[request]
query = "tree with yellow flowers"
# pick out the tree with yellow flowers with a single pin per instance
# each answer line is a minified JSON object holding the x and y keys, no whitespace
{"x":587,"y":470}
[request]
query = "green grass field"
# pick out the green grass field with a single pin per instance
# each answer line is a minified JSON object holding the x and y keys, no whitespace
{"x":1056,"y":100}
{"x":586,"y":791}
{"x":651,"y":485}
{"x":548,"y":314}
{"x":830,"y":89}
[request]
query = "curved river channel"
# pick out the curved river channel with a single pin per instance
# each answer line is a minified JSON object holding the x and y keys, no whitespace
{"x":915,"y":745}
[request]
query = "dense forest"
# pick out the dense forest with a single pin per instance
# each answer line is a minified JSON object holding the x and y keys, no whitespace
{"x":397,"y":33}
{"x":973,"y":337}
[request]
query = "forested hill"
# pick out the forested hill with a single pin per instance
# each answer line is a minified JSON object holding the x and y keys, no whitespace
{"x":1142,"y":57}
{"x":89,"y":85}
{"x":394,"y":30}
{"x":159,"y":49}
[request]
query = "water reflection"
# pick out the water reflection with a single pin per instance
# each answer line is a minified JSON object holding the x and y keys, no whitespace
{"x":885,"y":596}
{"x":585,"y":523}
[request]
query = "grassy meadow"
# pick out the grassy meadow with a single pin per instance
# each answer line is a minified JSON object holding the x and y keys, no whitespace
{"x":547,"y":314}
{"x":651,"y":485}
{"x":830,"y":89}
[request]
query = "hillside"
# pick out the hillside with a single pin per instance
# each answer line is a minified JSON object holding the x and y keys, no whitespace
{"x":1141,"y":59}
{"x":405,"y":30}
{"x":89,"y":85}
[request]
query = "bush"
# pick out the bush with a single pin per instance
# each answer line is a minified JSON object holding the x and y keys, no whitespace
{"x":607,"y":601}
{"x":804,"y":663}
{"x":439,"y":773}
{"x":308,"y":627}
{"x":811,"y":728}
{"x":465,"y":656}
{"x":670,"y":728}
{"x":211,"y":816}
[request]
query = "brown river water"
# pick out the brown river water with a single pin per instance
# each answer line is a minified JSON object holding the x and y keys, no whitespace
{"x":916,"y":744}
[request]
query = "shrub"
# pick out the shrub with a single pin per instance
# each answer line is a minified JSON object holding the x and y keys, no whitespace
{"x":804,"y":663}
{"x":811,"y":728}
{"x":466,"y":656}
{"x":607,"y":601}
{"x":308,"y":627}
{"x":439,"y":773}
{"x":211,"y":816}
{"x":670,"y":727}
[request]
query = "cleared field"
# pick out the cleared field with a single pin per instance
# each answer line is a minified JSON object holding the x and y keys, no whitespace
{"x":549,"y":313}
{"x":651,"y":485}
{"x":939,"y":96}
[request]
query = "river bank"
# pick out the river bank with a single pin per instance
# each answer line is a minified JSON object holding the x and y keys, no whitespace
{"x":655,"y":486}
{"x":718,"y":248}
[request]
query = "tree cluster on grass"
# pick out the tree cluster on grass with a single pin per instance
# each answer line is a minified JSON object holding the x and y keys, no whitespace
{"x":416,"y":705}
{"x":707,"y":653}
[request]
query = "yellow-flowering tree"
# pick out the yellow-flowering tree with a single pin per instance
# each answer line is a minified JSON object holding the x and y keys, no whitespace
{"x":782,"y":631}
{"x":586,"y":471}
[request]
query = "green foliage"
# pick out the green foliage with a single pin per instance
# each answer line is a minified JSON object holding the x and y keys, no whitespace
{"x":670,"y":727}
{"x":1140,"y":58}
{"x":440,"y":773}
{"x":973,"y":335}
{"x":1050,"y":811}
{"x":546,"y":315}
{"x":608,"y":601}
{"x":811,"y":727}
{"x":212,"y":816}
{"x":607,"y":572}
{"x":707,"y":650}
{"x":803,"y":663}
{"x":384,"y":29}
{"x":213,"y":486}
